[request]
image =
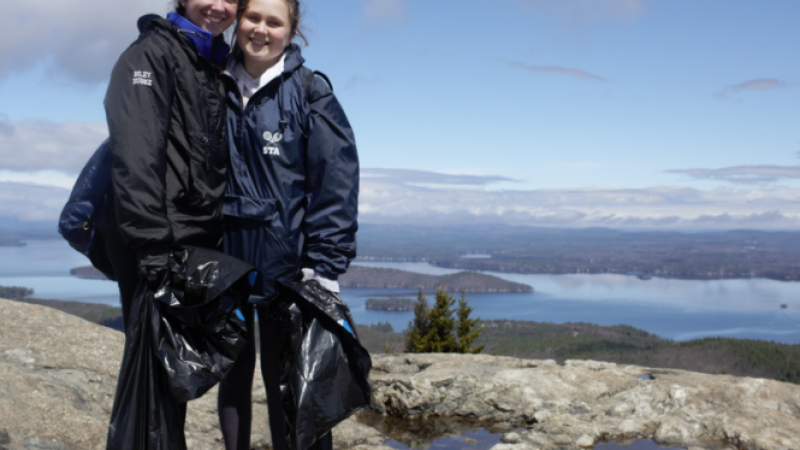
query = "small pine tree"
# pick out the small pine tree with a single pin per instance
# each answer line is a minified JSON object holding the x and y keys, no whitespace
{"x":466,"y":328}
{"x":440,"y":338}
{"x":433,"y":330}
{"x":418,"y":328}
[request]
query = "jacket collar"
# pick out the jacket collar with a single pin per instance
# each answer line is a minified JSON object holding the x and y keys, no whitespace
{"x":248,"y":86}
{"x":212,"y":49}
{"x":292,"y":58}
{"x":289,"y":62}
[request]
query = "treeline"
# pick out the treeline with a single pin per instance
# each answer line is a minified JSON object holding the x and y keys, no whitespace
{"x":620,"y":344}
{"x":15,"y":292}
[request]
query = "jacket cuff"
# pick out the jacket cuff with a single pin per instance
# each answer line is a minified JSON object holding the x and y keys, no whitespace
{"x":325,"y":282}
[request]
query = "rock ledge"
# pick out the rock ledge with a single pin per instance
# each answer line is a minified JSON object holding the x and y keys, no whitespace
{"x":59,"y":374}
{"x":585,"y":402}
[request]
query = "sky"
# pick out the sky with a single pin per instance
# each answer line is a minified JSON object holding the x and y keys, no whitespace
{"x":631,"y":114}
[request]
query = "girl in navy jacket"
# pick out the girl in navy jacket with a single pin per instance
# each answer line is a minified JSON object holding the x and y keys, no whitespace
{"x":292,"y":194}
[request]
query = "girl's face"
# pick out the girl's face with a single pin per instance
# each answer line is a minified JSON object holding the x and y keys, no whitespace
{"x":214,"y":16}
{"x":264,"y":32}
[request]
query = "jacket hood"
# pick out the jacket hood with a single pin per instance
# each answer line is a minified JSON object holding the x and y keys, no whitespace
{"x":212,"y":48}
{"x":146,"y":20}
{"x":294,"y":58}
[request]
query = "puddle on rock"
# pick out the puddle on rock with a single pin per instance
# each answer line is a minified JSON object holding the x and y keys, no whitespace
{"x":637,"y":444}
{"x":646,"y":377}
{"x":439,"y":433}
{"x":476,"y":440}
{"x":448,"y":433}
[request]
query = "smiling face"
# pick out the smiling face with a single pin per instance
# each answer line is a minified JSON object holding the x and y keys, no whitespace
{"x":263,"y":33}
{"x":214,"y":16}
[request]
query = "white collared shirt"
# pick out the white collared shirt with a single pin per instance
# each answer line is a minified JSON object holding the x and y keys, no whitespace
{"x":248,"y":86}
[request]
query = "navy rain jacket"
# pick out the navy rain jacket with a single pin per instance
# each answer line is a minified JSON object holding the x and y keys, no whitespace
{"x":292,"y":194}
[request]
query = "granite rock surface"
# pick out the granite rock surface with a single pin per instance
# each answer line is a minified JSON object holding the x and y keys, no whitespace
{"x":58,"y":376}
{"x":583,"y":403}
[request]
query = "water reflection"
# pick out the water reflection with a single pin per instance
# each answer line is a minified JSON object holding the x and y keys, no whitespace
{"x":447,"y":433}
{"x":440,"y":433}
{"x":638,"y":444}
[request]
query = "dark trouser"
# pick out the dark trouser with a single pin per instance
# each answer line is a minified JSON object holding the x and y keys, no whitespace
{"x":123,"y":260}
{"x":235,"y":402}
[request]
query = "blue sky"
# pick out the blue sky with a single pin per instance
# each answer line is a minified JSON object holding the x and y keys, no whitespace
{"x":677,"y":114}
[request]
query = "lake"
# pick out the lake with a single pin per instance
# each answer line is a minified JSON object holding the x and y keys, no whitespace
{"x":675,"y":309}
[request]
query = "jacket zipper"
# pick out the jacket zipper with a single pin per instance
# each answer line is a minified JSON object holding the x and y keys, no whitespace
{"x":207,"y":153}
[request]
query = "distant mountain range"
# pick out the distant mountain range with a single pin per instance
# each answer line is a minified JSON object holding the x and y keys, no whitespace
{"x":13,"y":231}
{"x":535,"y":250}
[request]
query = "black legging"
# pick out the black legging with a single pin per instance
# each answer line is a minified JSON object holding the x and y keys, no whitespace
{"x":235,"y":399}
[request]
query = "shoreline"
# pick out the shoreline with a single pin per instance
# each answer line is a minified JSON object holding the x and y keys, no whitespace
{"x":643,"y":276}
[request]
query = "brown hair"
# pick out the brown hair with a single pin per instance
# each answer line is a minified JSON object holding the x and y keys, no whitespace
{"x":295,"y":16}
{"x":180,"y":9}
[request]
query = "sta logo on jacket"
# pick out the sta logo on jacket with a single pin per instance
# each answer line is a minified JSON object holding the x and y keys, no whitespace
{"x":272,"y":139}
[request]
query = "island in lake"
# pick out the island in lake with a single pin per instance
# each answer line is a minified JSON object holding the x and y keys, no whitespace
{"x":470,"y":282}
{"x":377,"y":278}
{"x":390,"y":304}
{"x":87,"y":272}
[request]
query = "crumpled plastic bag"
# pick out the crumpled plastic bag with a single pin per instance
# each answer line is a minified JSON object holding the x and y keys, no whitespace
{"x":201,"y":334}
{"x":325,"y":367}
{"x":182,"y":340}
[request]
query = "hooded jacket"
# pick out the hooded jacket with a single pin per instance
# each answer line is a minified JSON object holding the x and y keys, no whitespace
{"x":292,"y":196}
{"x":166,"y":119}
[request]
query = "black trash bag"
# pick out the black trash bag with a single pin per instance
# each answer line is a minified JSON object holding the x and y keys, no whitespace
{"x":181,"y":341}
{"x":200,"y":335}
{"x":325,"y":368}
{"x":144,"y":415}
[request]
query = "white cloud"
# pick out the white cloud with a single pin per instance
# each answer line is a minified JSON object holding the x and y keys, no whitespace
{"x":556,"y":70}
{"x":743,"y":174}
{"x":409,"y":176}
{"x":390,"y":200}
{"x":30,"y":202}
{"x":384,"y":11}
{"x":79,"y":39}
{"x":419,"y":197}
{"x":51,"y":178}
{"x":760,"y":84}
{"x":35,"y":146}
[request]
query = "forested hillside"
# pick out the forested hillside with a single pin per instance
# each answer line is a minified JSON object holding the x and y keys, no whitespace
{"x":620,"y":344}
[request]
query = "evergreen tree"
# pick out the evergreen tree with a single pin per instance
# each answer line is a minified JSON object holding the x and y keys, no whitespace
{"x":440,"y":338}
{"x":418,"y":328}
{"x":434,"y":330}
{"x":466,"y":328}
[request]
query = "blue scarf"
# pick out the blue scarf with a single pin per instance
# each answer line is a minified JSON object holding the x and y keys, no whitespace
{"x":212,"y":49}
